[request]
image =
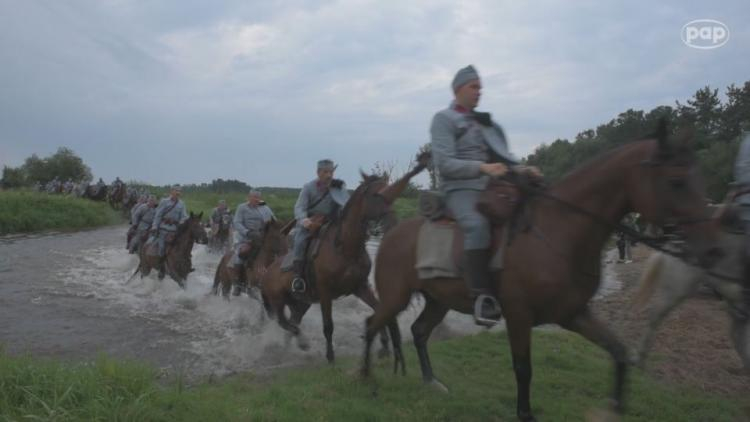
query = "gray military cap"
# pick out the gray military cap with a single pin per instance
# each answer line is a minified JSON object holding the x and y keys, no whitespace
{"x":177,"y":188}
{"x":464,"y":76}
{"x":254,"y":192}
{"x":326,"y":164}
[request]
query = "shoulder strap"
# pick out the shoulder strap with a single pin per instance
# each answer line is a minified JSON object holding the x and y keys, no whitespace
{"x":311,"y":206}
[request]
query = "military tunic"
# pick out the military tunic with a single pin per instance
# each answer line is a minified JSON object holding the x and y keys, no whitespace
{"x":248,"y":224}
{"x":461,"y":142}
{"x":142,"y":220}
{"x":310,"y":195}
{"x":168,"y":216}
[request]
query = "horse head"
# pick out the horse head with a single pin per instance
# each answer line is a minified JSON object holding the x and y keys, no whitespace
{"x":667,"y":189}
{"x":374,"y":203}
{"x":274,"y":243}
{"x":195,"y":228}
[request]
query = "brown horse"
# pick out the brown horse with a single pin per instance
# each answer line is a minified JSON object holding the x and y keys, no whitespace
{"x":552,"y":269}
{"x":115,"y":195}
{"x":273,"y":245}
{"x":178,"y":259}
{"x":342,"y":265}
{"x":96,"y":193}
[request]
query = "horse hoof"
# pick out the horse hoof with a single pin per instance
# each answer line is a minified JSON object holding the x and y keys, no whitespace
{"x":330,"y":357}
{"x":437,"y":385}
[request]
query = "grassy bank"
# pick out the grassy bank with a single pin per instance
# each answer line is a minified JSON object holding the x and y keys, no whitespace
{"x":571,"y":377}
{"x":25,"y":211}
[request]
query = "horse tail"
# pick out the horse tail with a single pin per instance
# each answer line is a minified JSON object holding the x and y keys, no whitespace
{"x":648,"y":280}
{"x":217,"y":277}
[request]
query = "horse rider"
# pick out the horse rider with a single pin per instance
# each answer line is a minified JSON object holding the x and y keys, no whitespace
{"x":742,"y":197}
{"x":141,"y":200}
{"x":249,"y":221}
{"x":143,"y":217}
{"x":217,"y":216}
{"x":169,"y":214}
{"x":323,"y":196}
{"x":468,"y":148}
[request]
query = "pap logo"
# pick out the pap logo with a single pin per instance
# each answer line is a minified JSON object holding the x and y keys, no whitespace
{"x":705,"y":34}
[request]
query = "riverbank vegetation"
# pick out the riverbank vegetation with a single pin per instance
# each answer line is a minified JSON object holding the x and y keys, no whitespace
{"x":23,"y":211}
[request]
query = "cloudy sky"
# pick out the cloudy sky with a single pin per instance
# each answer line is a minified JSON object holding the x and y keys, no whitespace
{"x":189,"y":91}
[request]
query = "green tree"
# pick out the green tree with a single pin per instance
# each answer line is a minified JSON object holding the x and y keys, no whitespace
{"x":13,"y":178}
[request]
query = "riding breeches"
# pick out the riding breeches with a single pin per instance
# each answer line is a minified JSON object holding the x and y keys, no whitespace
{"x":162,"y":241}
{"x":475,"y":227}
{"x":301,"y":235}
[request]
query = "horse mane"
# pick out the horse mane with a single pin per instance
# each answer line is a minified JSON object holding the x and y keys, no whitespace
{"x":367,"y":180}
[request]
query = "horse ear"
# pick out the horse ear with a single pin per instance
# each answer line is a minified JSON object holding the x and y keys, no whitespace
{"x":364,"y":176}
{"x":683,"y":138}
{"x":662,"y":134}
{"x":200,"y":215}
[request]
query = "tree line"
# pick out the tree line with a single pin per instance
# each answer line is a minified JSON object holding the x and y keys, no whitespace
{"x":716,"y":128}
{"x":63,"y":164}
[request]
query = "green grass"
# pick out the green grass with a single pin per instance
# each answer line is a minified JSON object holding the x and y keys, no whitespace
{"x":25,"y":211}
{"x":570,"y":377}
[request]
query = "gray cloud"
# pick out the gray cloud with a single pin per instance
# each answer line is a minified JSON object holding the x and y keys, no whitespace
{"x":182,"y":91}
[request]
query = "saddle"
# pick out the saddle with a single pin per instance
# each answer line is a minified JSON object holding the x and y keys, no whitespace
{"x":318,"y":228}
{"x":440,"y":239}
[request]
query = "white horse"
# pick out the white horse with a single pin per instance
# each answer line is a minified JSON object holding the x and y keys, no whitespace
{"x":673,"y":280}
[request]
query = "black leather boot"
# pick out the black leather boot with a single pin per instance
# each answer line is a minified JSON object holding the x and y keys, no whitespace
{"x":162,"y":268}
{"x":487,"y":310}
{"x":298,"y":282}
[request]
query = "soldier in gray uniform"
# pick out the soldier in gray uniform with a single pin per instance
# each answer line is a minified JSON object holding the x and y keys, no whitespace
{"x":250,"y":220}
{"x":169,"y":214}
{"x":742,"y":182}
{"x":141,"y":200}
{"x":322,"y":196}
{"x":143,"y":217}
{"x":218,"y":213}
{"x":469,"y":148}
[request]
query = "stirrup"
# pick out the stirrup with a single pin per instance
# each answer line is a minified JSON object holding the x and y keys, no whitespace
{"x":298,"y":285}
{"x":478,"y":318}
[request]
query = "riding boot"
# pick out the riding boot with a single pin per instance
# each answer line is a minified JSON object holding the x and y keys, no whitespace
{"x":298,"y":282}
{"x":162,"y":267}
{"x":239,"y":280}
{"x":487,"y":310}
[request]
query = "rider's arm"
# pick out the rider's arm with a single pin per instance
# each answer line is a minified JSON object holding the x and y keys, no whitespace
{"x":158,"y":215}
{"x":300,"y":207}
{"x":238,"y":220}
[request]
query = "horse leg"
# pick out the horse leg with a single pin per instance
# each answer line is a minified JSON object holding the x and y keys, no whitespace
{"x":431,"y":315}
{"x":298,"y":310}
{"x":740,"y":333}
{"x":368,"y":296}
{"x":391,"y":303}
{"x":519,"y":334}
{"x":592,"y":329}
{"x":669,"y":295}
{"x":325,"y":310}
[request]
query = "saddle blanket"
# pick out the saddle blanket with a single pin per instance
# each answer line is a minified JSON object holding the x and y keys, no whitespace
{"x":436,"y":255}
